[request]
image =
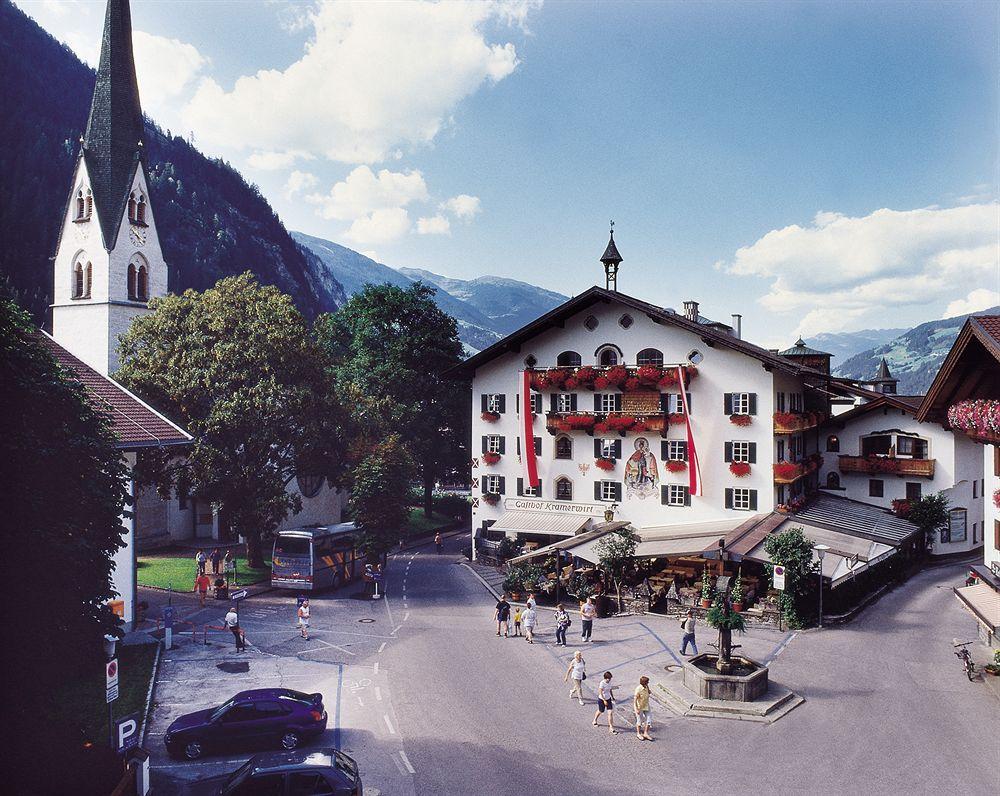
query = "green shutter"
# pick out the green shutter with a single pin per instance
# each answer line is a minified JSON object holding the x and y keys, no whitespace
{"x":753,"y":453}
{"x":597,"y":490}
{"x":572,"y":402}
{"x":617,"y":401}
{"x":552,"y":402}
{"x":728,"y":403}
{"x":538,"y":445}
{"x":684,"y":450}
{"x":597,"y":402}
{"x":664,"y":402}
{"x":618,"y":492}
{"x":729,"y":452}
{"x":517,"y":447}
{"x":503,"y":445}
{"x":618,"y":448}
{"x":687,"y":496}
{"x":538,"y":489}
{"x":517,"y":402}
{"x":753,"y":500}
{"x":688,"y":396}
{"x":485,"y":444}
{"x":520,"y":487}
{"x":598,"y":444}
{"x":502,"y":485}
{"x":753,"y":403}
{"x":664,"y":495}
{"x":729,"y":498}
{"x":484,"y":398}
{"x":503,"y":403}
{"x":664,"y":451}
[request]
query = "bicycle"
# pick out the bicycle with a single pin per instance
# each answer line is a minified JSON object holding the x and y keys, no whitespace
{"x":966,"y":658}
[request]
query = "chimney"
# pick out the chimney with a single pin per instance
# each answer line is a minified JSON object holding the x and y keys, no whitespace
{"x":691,"y":310}
{"x":737,"y":326}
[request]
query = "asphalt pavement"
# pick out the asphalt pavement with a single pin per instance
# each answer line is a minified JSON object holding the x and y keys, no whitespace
{"x":429,"y":700}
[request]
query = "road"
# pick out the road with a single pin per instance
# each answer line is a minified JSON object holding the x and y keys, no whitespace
{"x":431,"y":701}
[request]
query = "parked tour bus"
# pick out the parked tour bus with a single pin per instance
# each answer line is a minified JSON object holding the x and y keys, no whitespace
{"x":315,"y":558}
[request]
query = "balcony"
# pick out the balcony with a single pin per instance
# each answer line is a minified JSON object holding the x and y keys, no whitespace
{"x":871,"y":465}
{"x":792,"y":422}
{"x":610,"y":423}
{"x":644,"y":378}
{"x":789,"y":472}
{"x":978,"y":418}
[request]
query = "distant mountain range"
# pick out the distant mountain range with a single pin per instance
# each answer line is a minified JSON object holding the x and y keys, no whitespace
{"x":844,"y":345}
{"x":487,"y":308}
{"x":914,"y":357}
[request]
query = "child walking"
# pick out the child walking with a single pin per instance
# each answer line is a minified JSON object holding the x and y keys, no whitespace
{"x":517,"y":621}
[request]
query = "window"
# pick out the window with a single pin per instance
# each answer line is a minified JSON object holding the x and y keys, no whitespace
{"x":996,"y":534}
{"x":494,"y":402}
{"x":740,"y":403}
{"x":306,"y":783}
{"x":536,"y":402}
{"x":525,"y":490}
{"x":564,"y":489}
{"x":182,"y":497}
{"x":779,"y":402}
{"x":911,"y":446}
{"x":996,"y":462}
{"x":309,"y":485}
{"x":779,"y":450}
{"x":625,"y":321}
{"x":876,"y":487}
{"x":695,"y":356}
{"x":741,"y":451}
{"x":795,"y":401}
{"x":88,"y":206}
{"x":608,"y":491}
{"x":607,"y":357}
{"x":271,"y":709}
{"x":607,"y":448}
{"x":565,"y":402}
{"x":675,"y":495}
{"x":569,"y":359}
{"x":140,"y":211}
{"x":649,"y":356}
{"x":741,"y":499}
{"x":493,"y":443}
{"x":913,"y":491}
{"x":537,"y":441}
{"x":564,"y":447}
{"x":88,"y":279}
{"x":833,"y":443}
{"x":493,"y":484}
{"x":877,"y":445}
{"x":677,"y":450}
{"x":671,"y":402}
{"x":591,"y":323}
{"x":974,"y":528}
{"x":608,"y":402}
{"x":781,"y":494}
{"x":833,"y":480}
{"x":956,"y":526}
{"x":975,"y":491}
{"x":530,"y":361}
{"x":261,"y":784}
{"x":131,"y":281}
{"x":142,"y":284}
{"x":238,"y":713}
{"x":79,"y":206}
{"x":79,"y":281}
{"x":131,"y":206}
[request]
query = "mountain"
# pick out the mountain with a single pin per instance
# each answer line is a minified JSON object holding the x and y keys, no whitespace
{"x":844,"y":345}
{"x":914,"y":356}
{"x":212,"y":223}
{"x":354,"y":271}
{"x":508,"y":304}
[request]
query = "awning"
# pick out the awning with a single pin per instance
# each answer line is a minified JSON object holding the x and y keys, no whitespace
{"x":563,"y":544}
{"x":677,"y":545}
{"x":541,"y":522}
{"x":984,"y":603}
{"x":669,"y":540}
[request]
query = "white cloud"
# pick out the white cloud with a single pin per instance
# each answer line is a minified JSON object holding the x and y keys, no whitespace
{"x":166,"y":70}
{"x":843,"y":270}
{"x":463,"y":206}
{"x":435,"y":225}
{"x":274,"y":160}
{"x":977,"y":300}
{"x":373,"y":78}
{"x":379,"y":226}
{"x":364,"y":191}
{"x":299,"y":181}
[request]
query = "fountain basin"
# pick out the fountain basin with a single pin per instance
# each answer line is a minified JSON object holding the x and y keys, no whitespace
{"x":747,"y":681}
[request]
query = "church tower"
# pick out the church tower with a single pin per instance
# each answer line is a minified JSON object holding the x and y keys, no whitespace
{"x":108,"y":261}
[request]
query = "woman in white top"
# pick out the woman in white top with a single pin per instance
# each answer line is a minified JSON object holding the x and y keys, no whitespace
{"x":304,"y":619}
{"x":578,"y":671}
{"x":530,"y":619}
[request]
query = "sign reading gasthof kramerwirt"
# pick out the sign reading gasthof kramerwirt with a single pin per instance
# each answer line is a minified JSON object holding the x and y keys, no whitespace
{"x":555,"y":506}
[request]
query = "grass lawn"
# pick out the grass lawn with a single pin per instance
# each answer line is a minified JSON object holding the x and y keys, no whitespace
{"x":178,"y":572}
{"x":84,"y":700}
{"x":419,"y":524}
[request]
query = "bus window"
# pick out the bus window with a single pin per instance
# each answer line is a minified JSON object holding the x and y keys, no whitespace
{"x":291,"y":546}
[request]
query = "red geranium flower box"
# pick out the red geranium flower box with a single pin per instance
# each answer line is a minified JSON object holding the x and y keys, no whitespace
{"x":677,"y":466}
{"x":490,"y":417}
{"x":491,"y":458}
{"x":605,"y":464}
{"x":740,"y":469}
{"x":620,"y":422}
{"x":616,"y":375}
{"x":741,"y":420}
{"x":585,"y":376}
{"x":649,"y":374}
{"x":580,"y":421}
{"x":677,"y":419}
{"x":601,"y":383}
{"x":601,"y":428}
{"x":668,"y":379}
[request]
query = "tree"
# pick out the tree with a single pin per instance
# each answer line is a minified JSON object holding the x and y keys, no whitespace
{"x":396,"y":345}
{"x":236,"y":365}
{"x":930,"y":514}
{"x":615,"y":553}
{"x":61,"y":526}
{"x":378,"y":496}
{"x":792,"y":550}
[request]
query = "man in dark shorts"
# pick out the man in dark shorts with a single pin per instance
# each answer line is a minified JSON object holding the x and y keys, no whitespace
{"x":502,"y":616}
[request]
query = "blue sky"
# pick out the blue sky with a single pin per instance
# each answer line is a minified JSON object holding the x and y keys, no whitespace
{"x":815,"y":166}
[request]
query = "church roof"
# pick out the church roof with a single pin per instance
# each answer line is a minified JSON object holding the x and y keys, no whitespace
{"x":611,"y":254}
{"x":800,"y":349}
{"x":135,"y":423}
{"x":883,"y":372}
{"x":112,"y":144}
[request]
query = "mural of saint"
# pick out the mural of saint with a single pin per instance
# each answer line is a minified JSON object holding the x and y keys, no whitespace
{"x":641,"y":475}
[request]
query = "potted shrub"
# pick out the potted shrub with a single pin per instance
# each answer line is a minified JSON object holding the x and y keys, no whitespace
{"x":993,"y":668}
{"x":737,"y":595}
{"x":706,"y":589}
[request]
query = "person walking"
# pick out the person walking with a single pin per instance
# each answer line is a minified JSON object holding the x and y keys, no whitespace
{"x":303,"y":623}
{"x":640,"y":704}
{"x":587,"y":613}
{"x":200,"y":560}
{"x":517,"y":621}
{"x":216,"y":558}
{"x":502,"y":616}
{"x":687,"y":626}
{"x":562,"y":625}
{"x":233,"y":623}
{"x":201,"y":584}
{"x":438,"y":542}
{"x":530,"y":619}
{"x":606,"y":702}
{"x":578,"y":671}
{"x":530,"y":602}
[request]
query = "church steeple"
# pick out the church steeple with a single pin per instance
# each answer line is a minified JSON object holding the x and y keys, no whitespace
{"x":611,"y":260}
{"x":113,"y":142}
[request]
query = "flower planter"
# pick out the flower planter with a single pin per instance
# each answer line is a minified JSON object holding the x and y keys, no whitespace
{"x":607,"y":465}
{"x":490,"y":417}
{"x":741,"y":420}
{"x":706,"y":603}
{"x":740,"y":469}
{"x":738,"y":607}
{"x":676,"y":466}
{"x":491,"y":458}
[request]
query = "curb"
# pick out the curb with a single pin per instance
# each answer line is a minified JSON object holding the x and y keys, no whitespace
{"x":486,"y":585}
{"x":149,"y":696}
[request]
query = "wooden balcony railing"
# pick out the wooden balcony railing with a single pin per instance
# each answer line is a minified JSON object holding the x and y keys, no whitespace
{"x":791,"y":422}
{"x":885,"y":464}
{"x":609,"y":423}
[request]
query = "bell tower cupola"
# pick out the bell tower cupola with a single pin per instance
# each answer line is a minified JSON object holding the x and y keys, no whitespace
{"x":611,"y":260}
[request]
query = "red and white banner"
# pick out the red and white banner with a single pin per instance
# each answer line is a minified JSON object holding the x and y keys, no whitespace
{"x":694,"y":469}
{"x":527,"y":432}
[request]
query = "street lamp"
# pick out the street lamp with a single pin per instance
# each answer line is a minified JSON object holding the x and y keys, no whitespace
{"x":110,"y":645}
{"x":820,"y":551}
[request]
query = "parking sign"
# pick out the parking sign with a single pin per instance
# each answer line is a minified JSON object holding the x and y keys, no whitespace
{"x":127,"y":732}
{"x":779,"y":577}
{"x":111,"y":679}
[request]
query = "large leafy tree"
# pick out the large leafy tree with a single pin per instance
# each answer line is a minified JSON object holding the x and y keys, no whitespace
{"x":395,"y":346}
{"x":794,"y":552}
{"x":930,"y":513}
{"x":379,"y":495}
{"x":615,"y":553}
{"x":238,"y":367}
{"x":60,"y":528}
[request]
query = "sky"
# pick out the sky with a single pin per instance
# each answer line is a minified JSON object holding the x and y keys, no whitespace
{"x":817,"y":167}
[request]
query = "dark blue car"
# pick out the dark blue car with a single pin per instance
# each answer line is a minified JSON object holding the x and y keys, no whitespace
{"x":263,"y":717}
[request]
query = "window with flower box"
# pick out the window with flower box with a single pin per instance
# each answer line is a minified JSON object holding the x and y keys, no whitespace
{"x":494,"y":443}
{"x":525,"y":490}
{"x":675,"y":495}
{"x":670,"y":402}
{"x":795,"y":401}
{"x":674,"y":450}
{"x":494,"y":402}
{"x":649,"y":356}
{"x":741,"y":451}
{"x":564,"y":447}
{"x":607,"y":449}
{"x":740,"y":403}
{"x":741,"y":499}
{"x":493,"y":484}
{"x":608,"y":402}
{"x":564,"y":489}
{"x":563,"y":402}
{"x":608,"y":491}
{"x":955,"y":530}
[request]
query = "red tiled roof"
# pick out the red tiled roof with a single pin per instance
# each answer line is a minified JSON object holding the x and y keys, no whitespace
{"x":135,"y":424}
{"x":990,"y":324}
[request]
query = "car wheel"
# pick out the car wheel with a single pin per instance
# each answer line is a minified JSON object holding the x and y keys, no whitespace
{"x":193,"y":750}
{"x":290,"y":740}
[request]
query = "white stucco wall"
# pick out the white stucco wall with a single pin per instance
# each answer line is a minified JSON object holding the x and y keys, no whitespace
{"x":327,"y":508}
{"x":123,"y":570}
{"x":991,"y":514}
{"x":722,"y":370}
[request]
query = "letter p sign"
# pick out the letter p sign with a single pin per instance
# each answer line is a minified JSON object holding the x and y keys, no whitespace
{"x":127,"y":732}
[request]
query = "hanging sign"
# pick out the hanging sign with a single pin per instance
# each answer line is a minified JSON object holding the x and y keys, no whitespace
{"x":779,"y":577}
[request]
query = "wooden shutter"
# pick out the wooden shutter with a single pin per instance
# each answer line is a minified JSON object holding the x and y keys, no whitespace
{"x":597,"y":490}
{"x":690,"y":405}
{"x":729,"y":498}
{"x":598,"y":448}
{"x":485,"y":444}
{"x":552,"y":402}
{"x":517,"y":439}
{"x":687,"y":496}
{"x":665,"y":493}
{"x":536,"y":403}
{"x":517,"y":402}
{"x":729,"y":452}
{"x":597,"y":402}
{"x":572,"y":402}
{"x":502,"y":484}
{"x":520,"y":487}
{"x":753,"y":403}
{"x":617,"y":448}
{"x":728,"y":403}
{"x":538,"y":489}
{"x":503,"y":445}
{"x":753,"y":453}
{"x":484,"y":398}
{"x":503,"y":402}
{"x":664,"y":402}
{"x":617,"y":401}
{"x":753,"y":500}
{"x":664,"y":451}
{"x":618,"y":491}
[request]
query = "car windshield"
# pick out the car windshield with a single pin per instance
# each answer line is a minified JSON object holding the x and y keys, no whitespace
{"x":291,"y":546}
{"x":217,"y":713}
{"x":238,"y":778}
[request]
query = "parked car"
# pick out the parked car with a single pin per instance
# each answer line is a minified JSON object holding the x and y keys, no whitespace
{"x":303,"y":772}
{"x":263,"y":717}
